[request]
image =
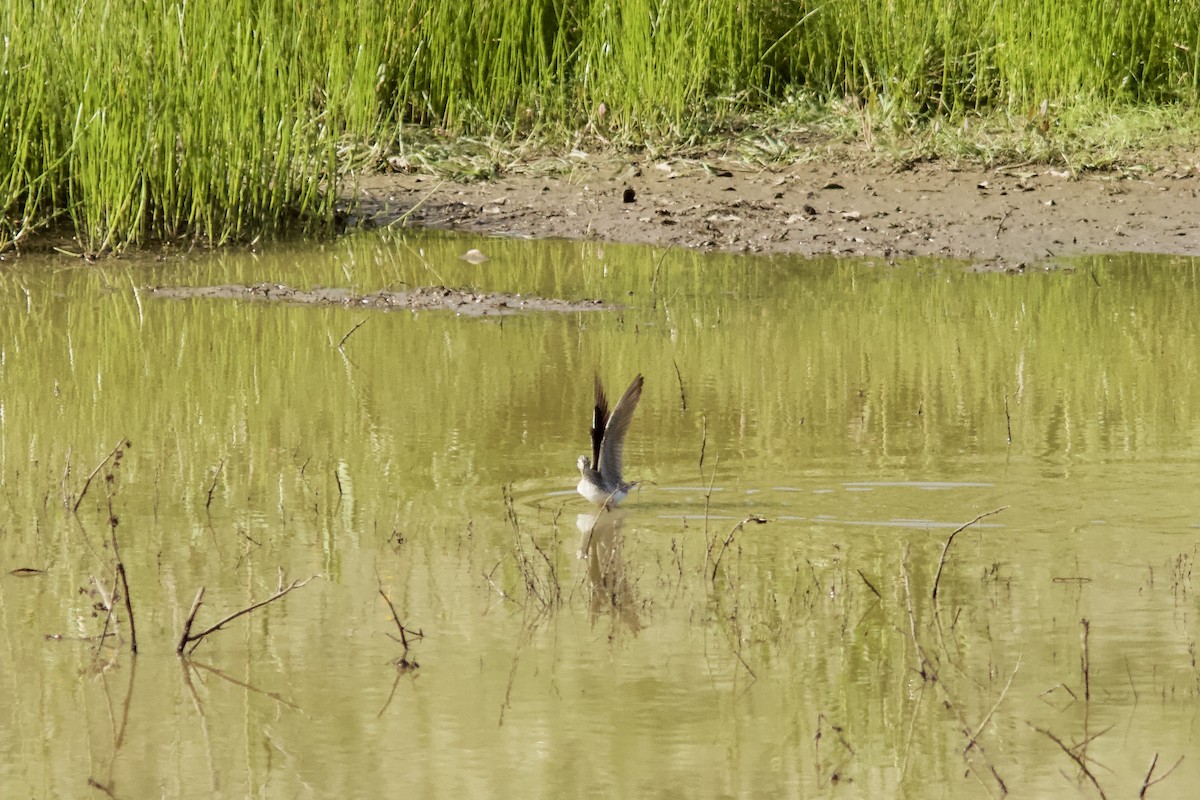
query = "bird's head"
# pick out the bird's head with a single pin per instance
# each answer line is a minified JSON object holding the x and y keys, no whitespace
{"x":584,"y":463}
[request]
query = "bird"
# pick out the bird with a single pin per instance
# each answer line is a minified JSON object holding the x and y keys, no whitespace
{"x":601,"y":482}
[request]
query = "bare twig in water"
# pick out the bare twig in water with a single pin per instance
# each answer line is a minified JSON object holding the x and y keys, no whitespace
{"x":194,"y":640}
{"x":402,"y":662}
{"x":703,"y":443}
{"x":357,"y":325}
{"x":1077,"y":759}
{"x":1007,"y":419}
{"x":191,"y":618}
{"x":945,"y":549}
{"x":212,"y":487}
{"x":682,"y":393}
{"x":114,"y":453}
{"x":1147,"y":783}
{"x":728,"y":539}
{"x":1085,"y":665}
{"x":708,"y":545}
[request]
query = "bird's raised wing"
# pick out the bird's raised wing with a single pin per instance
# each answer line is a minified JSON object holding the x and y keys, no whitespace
{"x":613,"y":442}
{"x":599,"y":420}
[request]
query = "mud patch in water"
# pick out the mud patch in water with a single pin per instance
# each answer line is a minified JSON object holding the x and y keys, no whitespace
{"x":424,"y":298}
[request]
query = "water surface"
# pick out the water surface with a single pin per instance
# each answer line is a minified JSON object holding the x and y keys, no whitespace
{"x":865,"y":410}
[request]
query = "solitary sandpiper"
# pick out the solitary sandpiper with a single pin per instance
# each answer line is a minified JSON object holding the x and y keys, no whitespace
{"x":602,"y":483}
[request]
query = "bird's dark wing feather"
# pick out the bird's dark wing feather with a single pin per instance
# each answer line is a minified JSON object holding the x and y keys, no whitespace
{"x":599,"y":421}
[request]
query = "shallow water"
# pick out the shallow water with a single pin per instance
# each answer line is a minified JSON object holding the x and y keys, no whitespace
{"x":867,"y":411}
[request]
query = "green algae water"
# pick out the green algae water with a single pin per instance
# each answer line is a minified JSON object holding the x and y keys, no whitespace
{"x":678,"y":648}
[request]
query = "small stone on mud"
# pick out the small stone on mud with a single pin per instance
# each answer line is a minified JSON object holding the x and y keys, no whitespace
{"x":629,"y":195}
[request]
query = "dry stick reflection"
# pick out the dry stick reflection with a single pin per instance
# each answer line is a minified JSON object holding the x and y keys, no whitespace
{"x":118,"y":727}
{"x":121,"y":576}
{"x":532,"y":621}
{"x":1147,"y":783}
{"x":192,"y":664}
{"x":187,"y":638}
{"x":991,"y":711}
{"x":1076,"y":758}
{"x":928,"y":670}
{"x":835,"y":774}
{"x":541,"y":583}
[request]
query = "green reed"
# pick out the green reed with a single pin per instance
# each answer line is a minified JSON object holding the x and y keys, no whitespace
{"x":227,"y":119}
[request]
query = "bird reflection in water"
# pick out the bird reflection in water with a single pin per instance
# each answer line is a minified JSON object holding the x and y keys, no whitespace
{"x":602,"y":546}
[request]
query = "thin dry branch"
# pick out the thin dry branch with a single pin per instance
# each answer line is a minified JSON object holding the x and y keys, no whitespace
{"x":946,"y":548}
{"x":350,"y":332}
{"x":121,"y":445}
{"x":1007,"y":419}
{"x":682,"y":392}
{"x":728,"y":539}
{"x":212,"y":487}
{"x":194,"y":640}
{"x":403,"y":661}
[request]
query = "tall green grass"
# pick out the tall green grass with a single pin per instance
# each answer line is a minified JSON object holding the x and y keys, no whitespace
{"x":227,"y":119}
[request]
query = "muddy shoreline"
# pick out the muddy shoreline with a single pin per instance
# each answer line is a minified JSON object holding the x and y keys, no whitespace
{"x":1009,"y":217}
